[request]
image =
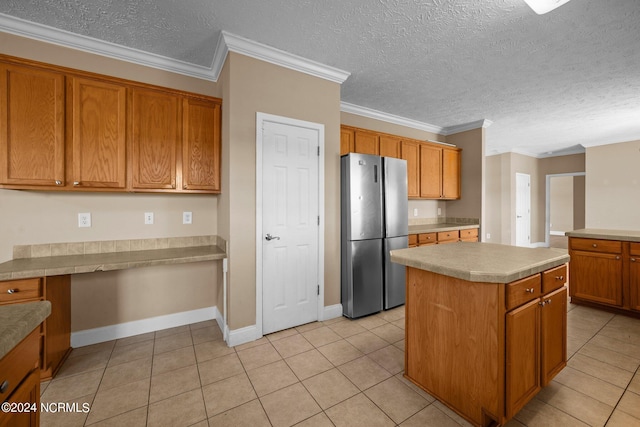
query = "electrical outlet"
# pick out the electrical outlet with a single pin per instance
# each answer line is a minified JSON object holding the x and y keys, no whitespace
{"x":148,"y":217}
{"x":439,"y":211}
{"x":84,"y":220}
{"x":488,"y":236}
{"x":187,"y":217}
{"x":415,"y":211}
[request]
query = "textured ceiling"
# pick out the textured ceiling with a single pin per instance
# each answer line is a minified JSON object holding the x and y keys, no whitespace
{"x":549,"y":83}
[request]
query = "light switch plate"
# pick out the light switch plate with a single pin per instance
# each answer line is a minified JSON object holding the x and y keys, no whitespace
{"x":84,"y":219}
{"x":187,"y":217}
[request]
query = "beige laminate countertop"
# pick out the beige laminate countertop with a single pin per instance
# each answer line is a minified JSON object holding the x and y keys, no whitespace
{"x":71,"y":264}
{"x":434,"y":228}
{"x":481,"y":262}
{"x":598,"y":233}
{"x":18,"y":320}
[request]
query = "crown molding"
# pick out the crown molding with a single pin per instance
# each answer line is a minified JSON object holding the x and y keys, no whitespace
{"x":389,"y":118}
{"x":32,"y":30}
{"x":226,"y":42}
{"x":483,"y":123}
{"x":279,"y":57}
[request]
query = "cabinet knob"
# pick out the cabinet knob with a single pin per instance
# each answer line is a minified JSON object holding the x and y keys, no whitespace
{"x":542,"y":303}
{"x":76,"y":183}
{"x":530,"y":290}
{"x":559,"y":277}
{"x":58,"y":182}
{"x":595,"y":246}
{"x":184,"y":186}
{"x":633,"y":260}
{"x":548,"y":301}
{"x":4,"y":386}
{"x":617,"y":257}
{"x":13,"y":291}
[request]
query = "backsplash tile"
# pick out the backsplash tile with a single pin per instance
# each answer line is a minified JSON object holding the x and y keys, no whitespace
{"x":113,"y":246}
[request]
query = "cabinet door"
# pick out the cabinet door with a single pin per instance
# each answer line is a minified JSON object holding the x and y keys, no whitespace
{"x":366,"y":143}
{"x":390,"y":146}
{"x":553,"y":334}
{"x":410,"y":151}
{"x":346,"y":141}
{"x":522,"y":356}
{"x":155,"y":138}
{"x":201,"y":145}
{"x":31,"y":126}
{"x":596,"y":277}
{"x":430,"y":172}
{"x":450,"y":173}
{"x":28,"y":392}
{"x":99,"y":134}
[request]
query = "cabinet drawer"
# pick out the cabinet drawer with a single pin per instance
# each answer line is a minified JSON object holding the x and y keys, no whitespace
{"x":554,"y":278}
{"x":445,"y":236}
{"x":16,"y":365}
{"x":522,"y":291}
{"x":413,"y":240}
{"x":15,"y":290}
{"x":635,"y":248}
{"x":596,"y":245}
{"x":468,"y":233}
{"x":426,"y":238}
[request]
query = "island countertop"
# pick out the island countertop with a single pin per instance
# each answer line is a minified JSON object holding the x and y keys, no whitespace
{"x":18,"y":320}
{"x":481,"y":262}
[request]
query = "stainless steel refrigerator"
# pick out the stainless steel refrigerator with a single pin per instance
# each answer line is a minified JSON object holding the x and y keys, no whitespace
{"x":374,"y":221}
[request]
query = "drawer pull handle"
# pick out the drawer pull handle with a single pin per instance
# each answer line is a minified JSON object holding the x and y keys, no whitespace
{"x":13,"y":291}
{"x":633,"y":260}
{"x":76,"y":183}
{"x":58,"y":182}
{"x":4,"y":386}
{"x":559,"y":277}
{"x":529,"y":290}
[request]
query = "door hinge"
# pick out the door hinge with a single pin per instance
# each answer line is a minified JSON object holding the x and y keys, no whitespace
{"x":318,"y":219}
{"x":318,"y":151}
{"x":318,"y":290}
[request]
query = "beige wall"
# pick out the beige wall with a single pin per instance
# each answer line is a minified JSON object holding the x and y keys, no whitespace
{"x":613,"y":186}
{"x":255,"y":86}
{"x":500,"y":193}
{"x":28,"y":217}
{"x":471,"y":202}
{"x":561,"y":203}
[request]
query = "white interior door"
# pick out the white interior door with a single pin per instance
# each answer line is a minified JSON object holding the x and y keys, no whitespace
{"x":290,"y":225}
{"x":523,"y":209}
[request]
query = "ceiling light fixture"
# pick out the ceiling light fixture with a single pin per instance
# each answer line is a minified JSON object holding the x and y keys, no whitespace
{"x":543,"y":6}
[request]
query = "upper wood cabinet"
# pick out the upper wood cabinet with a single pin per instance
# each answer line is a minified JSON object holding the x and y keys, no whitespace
{"x":410,"y":151}
{"x":433,"y":170}
{"x":98,"y":116}
{"x":201,"y":146}
{"x":32,"y":131}
{"x":64,"y":129}
{"x":156,"y":134}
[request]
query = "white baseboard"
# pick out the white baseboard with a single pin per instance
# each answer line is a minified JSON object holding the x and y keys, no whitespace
{"x":242,"y":335}
{"x":331,"y":312}
{"x":137,"y":327}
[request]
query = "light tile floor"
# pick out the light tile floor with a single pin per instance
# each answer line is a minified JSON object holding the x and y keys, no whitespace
{"x":340,"y":372}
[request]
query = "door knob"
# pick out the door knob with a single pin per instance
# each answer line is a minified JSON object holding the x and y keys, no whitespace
{"x":269,"y":237}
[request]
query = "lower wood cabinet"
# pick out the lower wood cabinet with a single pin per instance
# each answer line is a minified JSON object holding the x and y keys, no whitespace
{"x":20,"y":383}
{"x":451,"y":236}
{"x":54,"y":335}
{"x":485,"y":349}
{"x":605,"y":273}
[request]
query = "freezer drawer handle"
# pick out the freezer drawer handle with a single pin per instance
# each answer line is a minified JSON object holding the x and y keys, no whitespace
{"x":269,"y":237}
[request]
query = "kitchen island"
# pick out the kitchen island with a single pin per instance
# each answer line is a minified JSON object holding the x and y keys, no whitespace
{"x":485,"y":324}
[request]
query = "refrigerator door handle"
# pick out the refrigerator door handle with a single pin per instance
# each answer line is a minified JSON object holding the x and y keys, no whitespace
{"x":375,"y":173}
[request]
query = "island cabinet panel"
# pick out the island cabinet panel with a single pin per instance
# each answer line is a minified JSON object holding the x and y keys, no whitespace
{"x":54,"y":334}
{"x":32,"y":106}
{"x":98,"y":133}
{"x":484,"y":349}
{"x":156,"y":134}
{"x":201,"y":145}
